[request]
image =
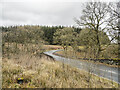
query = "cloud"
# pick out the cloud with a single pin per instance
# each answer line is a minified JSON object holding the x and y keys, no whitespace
{"x":42,"y":13}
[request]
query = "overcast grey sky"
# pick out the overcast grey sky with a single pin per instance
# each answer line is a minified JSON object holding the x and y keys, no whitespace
{"x":40,"y":12}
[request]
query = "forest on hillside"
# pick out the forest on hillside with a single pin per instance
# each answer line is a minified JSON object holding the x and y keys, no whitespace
{"x":27,"y":33}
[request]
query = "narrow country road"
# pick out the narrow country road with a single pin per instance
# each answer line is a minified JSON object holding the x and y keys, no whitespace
{"x":111,"y":73}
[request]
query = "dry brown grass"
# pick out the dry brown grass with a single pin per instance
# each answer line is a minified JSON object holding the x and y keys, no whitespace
{"x":43,"y":73}
{"x":111,"y":52}
{"x":40,"y":71}
{"x":52,"y":47}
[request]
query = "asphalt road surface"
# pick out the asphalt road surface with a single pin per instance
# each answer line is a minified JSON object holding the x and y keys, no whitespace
{"x":111,"y":73}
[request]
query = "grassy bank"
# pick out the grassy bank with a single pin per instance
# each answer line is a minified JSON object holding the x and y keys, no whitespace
{"x":40,"y":71}
{"x":43,"y":73}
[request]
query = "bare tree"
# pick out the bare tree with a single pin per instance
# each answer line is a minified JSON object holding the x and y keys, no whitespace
{"x":114,"y":20}
{"x":114,"y":23}
{"x":95,"y":17}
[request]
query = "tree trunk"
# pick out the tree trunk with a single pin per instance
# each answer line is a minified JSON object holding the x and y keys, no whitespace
{"x":98,"y":45}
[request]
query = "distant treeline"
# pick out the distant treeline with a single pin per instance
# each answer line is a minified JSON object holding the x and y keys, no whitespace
{"x":31,"y":34}
{"x":56,"y":35}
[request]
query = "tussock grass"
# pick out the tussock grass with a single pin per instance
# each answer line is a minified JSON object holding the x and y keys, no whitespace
{"x":42,"y":73}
